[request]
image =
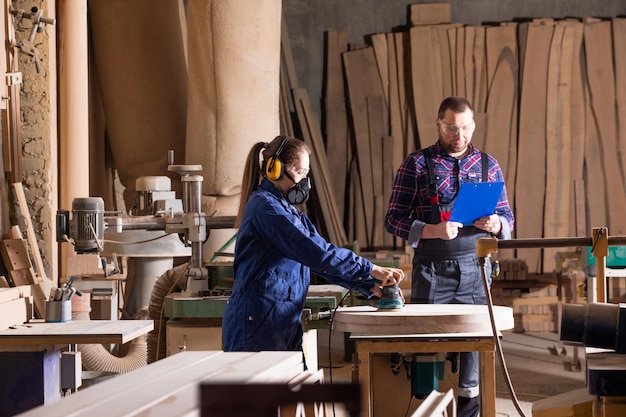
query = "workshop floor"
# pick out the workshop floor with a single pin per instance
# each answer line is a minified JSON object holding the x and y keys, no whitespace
{"x":537,"y":365}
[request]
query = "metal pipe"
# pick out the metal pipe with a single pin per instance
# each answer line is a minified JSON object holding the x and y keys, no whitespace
{"x":556,"y":242}
{"x":158,"y":223}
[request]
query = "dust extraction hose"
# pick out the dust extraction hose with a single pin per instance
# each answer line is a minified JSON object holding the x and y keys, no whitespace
{"x":96,"y":357}
{"x":173,"y":280}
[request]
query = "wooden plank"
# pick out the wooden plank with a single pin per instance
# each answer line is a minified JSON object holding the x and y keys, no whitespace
{"x":502,"y":69}
{"x":379,"y":43}
{"x":409,"y":123}
{"x":577,"y":119}
{"x":558,"y":149}
{"x":363,"y":81}
{"x":14,"y":312}
{"x":530,"y":187}
{"x":580,"y":211}
{"x":396,"y":126}
{"x":9,"y":294}
{"x":76,"y":332}
{"x":444,"y":47}
{"x":468,"y":62}
{"x":395,"y":112}
{"x":336,"y":118}
{"x":389,"y":170}
{"x":17,"y":262}
{"x":377,"y":130}
{"x":458,"y":70}
{"x":244,"y":368}
{"x":596,"y":182}
{"x":502,"y":73}
{"x":480,"y":70}
{"x":601,"y":76}
{"x":169,"y":387}
{"x":430,"y":13}
{"x":287,"y":53}
{"x":356,"y":220}
{"x":30,"y":232}
{"x":619,"y":53}
{"x":426,"y":90}
{"x":312,"y":135}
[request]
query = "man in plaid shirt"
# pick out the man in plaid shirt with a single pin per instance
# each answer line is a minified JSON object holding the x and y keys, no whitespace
{"x":445,"y":267}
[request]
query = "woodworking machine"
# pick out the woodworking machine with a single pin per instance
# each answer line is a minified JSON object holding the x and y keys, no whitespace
{"x":156,"y":209}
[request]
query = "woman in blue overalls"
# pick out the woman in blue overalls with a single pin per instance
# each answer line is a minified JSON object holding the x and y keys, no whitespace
{"x":277,"y":247}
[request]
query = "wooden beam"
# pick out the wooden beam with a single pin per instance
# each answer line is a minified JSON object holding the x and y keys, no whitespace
{"x":530,"y":187}
{"x":30,"y":232}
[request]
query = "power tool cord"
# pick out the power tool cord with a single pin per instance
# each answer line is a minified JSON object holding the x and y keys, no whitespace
{"x":330,"y":332}
{"x":482,"y":261}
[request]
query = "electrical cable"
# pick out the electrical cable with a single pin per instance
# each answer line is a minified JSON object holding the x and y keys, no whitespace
{"x":482,"y":261}
{"x":408,"y":409}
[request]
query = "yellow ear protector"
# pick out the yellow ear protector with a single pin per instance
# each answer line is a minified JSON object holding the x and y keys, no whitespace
{"x":273,"y":167}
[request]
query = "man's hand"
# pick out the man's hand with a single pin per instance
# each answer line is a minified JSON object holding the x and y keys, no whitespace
{"x":446,"y":230}
{"x":490,"y":224}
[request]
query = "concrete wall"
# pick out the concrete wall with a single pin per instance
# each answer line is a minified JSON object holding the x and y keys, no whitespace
{"x":308,"y":20}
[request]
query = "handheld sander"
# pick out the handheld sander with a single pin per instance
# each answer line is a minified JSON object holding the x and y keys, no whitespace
{"x":391,"y":299}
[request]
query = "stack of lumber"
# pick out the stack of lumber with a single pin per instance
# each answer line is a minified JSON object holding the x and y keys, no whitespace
{"x":16,"y":306}
{"x":17,"y":254}
{"x":512,"y":270}
{"x":534,"y":301}
{"x":547,"y":96}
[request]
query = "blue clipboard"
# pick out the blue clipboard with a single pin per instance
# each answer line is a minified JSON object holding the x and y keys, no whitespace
{"x":475,"y":200}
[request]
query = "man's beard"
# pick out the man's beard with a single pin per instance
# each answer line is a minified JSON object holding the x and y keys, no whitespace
{"x":451,"y":148}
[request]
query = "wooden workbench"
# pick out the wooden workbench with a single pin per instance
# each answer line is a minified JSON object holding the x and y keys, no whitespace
{"x":30,"y":356}
{"x":430,"y":328}
{"x":171,"y":386}
{"x":73,"y":332}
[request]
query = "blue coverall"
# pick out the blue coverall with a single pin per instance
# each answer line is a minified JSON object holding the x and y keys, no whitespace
{"x":277,"y":247}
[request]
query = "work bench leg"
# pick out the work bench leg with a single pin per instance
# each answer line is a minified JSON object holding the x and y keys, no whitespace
{"x":487,"y":362}
{"x":364,"y":361}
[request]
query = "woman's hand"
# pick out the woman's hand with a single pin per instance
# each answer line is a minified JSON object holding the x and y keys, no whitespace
{"x":386,"y":276}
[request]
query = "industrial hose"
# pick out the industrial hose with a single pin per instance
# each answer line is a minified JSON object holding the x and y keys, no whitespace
{"x":95,"y":357}
{"x":172,"y":280}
